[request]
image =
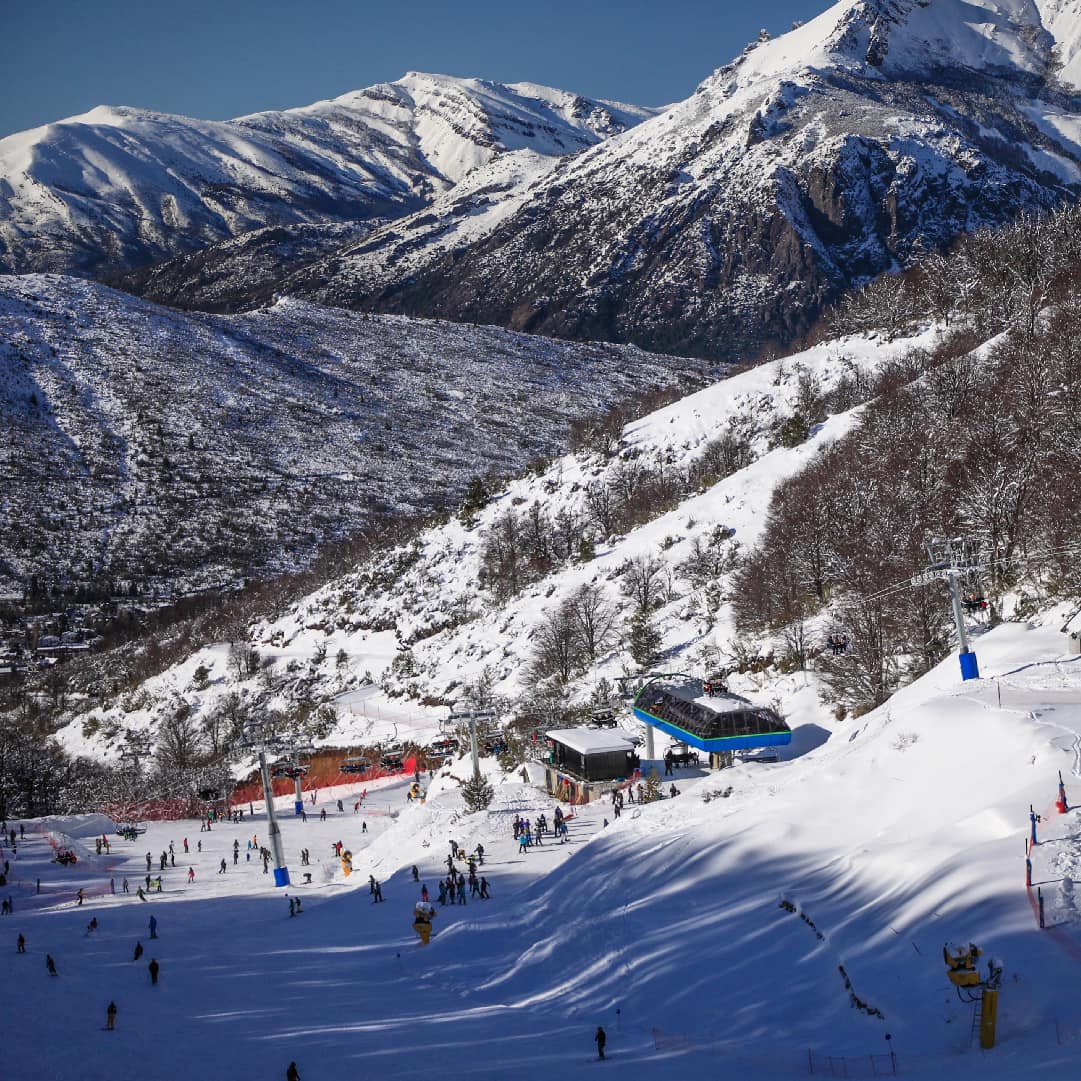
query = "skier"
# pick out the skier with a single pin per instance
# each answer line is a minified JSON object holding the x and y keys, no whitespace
{"x":292,"y":908}
{"x":50,"y":964}
{"x":292,"y":1074}
{"x":341,"y":809}
{"x":154,"y":968}
{"x":364,"y":827}
{"x":601,"y":1039}
{"x":191,"y":875}
{"x":92,"y":926}
{"x":378,"y":893}
{"x":424,"y":893}
{"x":416,"y":873}
{"x":20,"y":944}
{"x":110,"y":1016}
{"x":139,"y":893}
{"x":480,"y":854}
{"x":153,"y":927}
{"x":79,"y":895}
{"x":484,"y":894}
{"x":221,"y":868}
{"x":125,"y":886}
{"x":148,"y":861}
{"x":185,"y":845}
{"x":138,"y":951}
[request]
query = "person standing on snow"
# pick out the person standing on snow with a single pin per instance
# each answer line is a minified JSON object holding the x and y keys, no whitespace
{"x":601,"y":1040}
{"x":50,"y":964}
{"x":138,"y":951}
{"x":110,"y":1016}
{"x":155,"y":968}
{"x":292,"y":1074}
{"x":153,"y":927}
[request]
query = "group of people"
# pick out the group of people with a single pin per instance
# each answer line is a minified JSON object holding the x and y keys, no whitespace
{"x":528,"y":833}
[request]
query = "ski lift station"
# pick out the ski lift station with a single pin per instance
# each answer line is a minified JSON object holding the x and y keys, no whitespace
{"x":717,"y":723}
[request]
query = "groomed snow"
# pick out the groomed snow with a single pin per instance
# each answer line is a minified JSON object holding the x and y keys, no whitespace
{"x":902,"y":832}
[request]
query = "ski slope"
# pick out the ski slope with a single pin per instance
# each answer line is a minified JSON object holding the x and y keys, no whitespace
{"x":903,"y":831}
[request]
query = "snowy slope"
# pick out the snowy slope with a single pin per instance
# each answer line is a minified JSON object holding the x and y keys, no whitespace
{"x":813,"y":161}
{"x":189,"y":450}
{"x":710,"y":937}
{"x":119,"y":187}
{"x":425,"y":596}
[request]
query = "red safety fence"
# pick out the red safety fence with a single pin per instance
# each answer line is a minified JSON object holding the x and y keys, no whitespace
{"x":286,"y":786}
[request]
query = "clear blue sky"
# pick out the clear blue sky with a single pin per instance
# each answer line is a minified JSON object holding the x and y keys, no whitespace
{"x":220,"y":58}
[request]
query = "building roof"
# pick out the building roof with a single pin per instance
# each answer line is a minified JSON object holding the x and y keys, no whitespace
{"x":589,"y":740}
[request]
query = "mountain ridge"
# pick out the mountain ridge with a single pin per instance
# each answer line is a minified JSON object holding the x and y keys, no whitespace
{"x":118,"y":187}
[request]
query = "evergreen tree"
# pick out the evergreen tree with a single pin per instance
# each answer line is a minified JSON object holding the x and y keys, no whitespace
{"x":643,"y":640}
{"x":478,"y":793}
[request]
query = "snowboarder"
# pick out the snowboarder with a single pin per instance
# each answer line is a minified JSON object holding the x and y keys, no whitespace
{"x":601,"y":1039}
{"x":50,"y":964}
{"x":154,"y":968}
{"x":110,"y":1016}
{"x":138,"y":951}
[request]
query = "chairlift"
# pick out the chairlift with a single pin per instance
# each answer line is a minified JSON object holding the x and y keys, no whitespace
{"x":974,"y":602}
{"x":837,"y":643}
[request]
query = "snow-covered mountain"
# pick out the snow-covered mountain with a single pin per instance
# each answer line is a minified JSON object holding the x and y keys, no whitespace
{"x":185,"y":450}
{"x":120,"y":187}
{"x":813,"y":161}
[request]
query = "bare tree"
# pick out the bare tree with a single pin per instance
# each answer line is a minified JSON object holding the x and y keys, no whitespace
{"x":594,"y":617}
{"x":643,"y":581}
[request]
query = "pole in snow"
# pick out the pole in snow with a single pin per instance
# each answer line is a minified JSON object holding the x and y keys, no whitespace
{"x":281,"y":872}
{"x":970,"y":668}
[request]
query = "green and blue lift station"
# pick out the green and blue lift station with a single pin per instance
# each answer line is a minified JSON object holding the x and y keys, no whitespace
{"x":716,"y":722}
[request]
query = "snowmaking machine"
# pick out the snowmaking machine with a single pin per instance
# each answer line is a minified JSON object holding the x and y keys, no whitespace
{"x":982,"y":992}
